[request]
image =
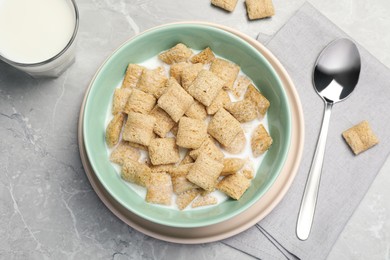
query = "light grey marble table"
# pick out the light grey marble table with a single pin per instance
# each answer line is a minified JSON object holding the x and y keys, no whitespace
{"x":47,"y":207}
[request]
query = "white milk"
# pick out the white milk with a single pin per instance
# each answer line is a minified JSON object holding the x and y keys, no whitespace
{"x":33,"y":31}
{"x":252,"y":162}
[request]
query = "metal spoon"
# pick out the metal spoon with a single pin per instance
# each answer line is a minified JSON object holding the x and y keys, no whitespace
{"x":335,"y":76}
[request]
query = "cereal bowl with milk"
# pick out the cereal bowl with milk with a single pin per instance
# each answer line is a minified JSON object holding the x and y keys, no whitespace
{"x":144,"y":50}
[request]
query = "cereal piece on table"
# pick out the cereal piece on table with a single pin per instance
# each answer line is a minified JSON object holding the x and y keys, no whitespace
{"x":261,"y":103}
{"x":175,"y":101}
{"x":176,"y":70}
{"x":240,"y":86}
{"x":227,"y":5}
{"x":163,"y":151}
{"x":139,"y":128}
{"x":258,"y":9}
{"x":196,"y":111}
{"x":140,"y":102}
{"x":121,"y":95}
{"x":178,"y":53}
{"x":132,"y":76}
{"x":243,"y":110}
{"x":136,"y":172}
{"x":159,"y":189}
{"x":205,"y":56}
{"x":210,"y":148}
{"x":234,"y":185}
{"x":124,"y":151}
{"x":205,"y":87}
{"x":189,"y":74}
{"x":184,"y":199}
{"x":360,"y":137}
{"x":114,"y":129}
{"x":205,"y":172}
{"x":260,"y":141}
{"x":187,"y":159}
{"x":204,"y":200}
{"x":191,"y":133}
{"x":232,"y":165}
{"x":221,"y":100}
{"x":237,"y":145}
{"x":224,"y":127}
{"x":164,"y":122}
{"x":153,"y":82}
{"x":226,"y":70}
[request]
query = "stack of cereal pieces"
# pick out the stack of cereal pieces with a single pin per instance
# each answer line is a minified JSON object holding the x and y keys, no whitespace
{"x":191,"y":111}
{"x":256,"y":9}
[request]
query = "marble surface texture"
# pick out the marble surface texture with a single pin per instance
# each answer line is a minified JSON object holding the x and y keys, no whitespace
{"x":48,"y":210}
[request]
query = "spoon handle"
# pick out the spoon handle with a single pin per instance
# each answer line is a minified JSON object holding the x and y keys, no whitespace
{"x":309,"y":200}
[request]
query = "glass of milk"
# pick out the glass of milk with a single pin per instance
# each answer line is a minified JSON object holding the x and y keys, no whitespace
{"x":38,"y":36}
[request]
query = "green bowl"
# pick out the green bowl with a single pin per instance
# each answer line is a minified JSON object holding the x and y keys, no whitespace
{"x":149,"y":44}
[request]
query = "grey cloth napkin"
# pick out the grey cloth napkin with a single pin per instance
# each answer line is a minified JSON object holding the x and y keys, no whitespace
{"x":345,"y":177}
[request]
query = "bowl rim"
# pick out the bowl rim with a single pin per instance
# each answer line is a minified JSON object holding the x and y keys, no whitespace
{"x":205,"y":222}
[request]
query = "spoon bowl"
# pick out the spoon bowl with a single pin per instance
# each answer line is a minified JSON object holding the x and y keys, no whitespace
{"x":337,"y":70}
{"x":335,"y":76}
